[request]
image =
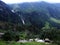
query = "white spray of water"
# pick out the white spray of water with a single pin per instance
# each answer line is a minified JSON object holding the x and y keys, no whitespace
{"x":22,"y":19}
{"x":13,"y":11}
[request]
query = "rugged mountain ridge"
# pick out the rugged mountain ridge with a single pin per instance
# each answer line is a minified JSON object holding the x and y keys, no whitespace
{"x":6,"y":15}
{"x":8,"y":19}
{"x":38,"y":13}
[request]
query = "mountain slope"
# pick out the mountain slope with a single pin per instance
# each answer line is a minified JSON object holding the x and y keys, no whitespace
{"x":38,"y":13}
{"x":6,"y":15}
{"x":8,"y":19}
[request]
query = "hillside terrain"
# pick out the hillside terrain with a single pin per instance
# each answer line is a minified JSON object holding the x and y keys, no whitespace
{"x":38,"y":13}
{"x":29,"y":21}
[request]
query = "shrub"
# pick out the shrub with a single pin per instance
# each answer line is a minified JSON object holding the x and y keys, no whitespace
{"x":10,"y":35}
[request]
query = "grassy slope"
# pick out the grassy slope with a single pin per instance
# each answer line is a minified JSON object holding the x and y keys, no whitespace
{"x":55,"y":20}
{"x":27,"y":43}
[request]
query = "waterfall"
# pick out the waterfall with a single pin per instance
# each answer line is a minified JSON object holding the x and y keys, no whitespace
{"x":13,"y":11}
{"x":22,"y":19}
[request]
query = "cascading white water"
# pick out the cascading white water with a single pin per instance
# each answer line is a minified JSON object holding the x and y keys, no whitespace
{"x":22,"y":19}
{"x":13,"y":11}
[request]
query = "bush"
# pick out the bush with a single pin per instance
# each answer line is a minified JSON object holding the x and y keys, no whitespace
{"x":10,"y":35}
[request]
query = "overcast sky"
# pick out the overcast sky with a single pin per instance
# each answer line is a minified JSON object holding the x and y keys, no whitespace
{"x":21,"y":1}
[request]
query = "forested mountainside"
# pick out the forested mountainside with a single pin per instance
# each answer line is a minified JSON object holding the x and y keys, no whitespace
{"x":30,"y":21}
{"x":38,"y":13}
{"x":29,"y":15}
{"x":7,"y":17}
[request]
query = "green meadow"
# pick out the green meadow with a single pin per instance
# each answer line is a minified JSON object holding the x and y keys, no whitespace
{"x":26,"y":43}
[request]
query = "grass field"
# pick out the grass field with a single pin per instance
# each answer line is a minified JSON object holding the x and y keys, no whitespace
{"x":27,"y":43}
